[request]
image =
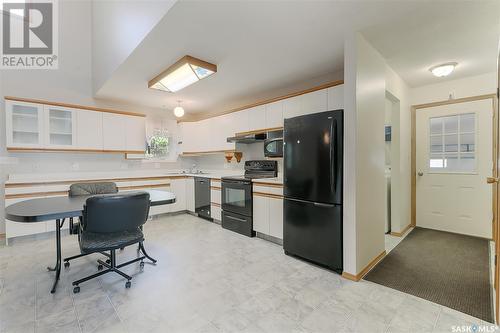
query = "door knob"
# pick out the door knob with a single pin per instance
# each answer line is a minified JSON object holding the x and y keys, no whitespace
{"x":420,"y":173}
{"x":492,"y":180}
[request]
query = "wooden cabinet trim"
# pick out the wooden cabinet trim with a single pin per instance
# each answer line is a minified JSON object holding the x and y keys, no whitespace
{"x":215,"y":188}
{"x":72,"y":150}
{"x":72,"y":106}
{"x":68,"y":182}
{"x":264,"y":184}
{"x":215,"y":204}
{"x":258,"y":131}
{"x":207,"y":152}
{"x":54,"y":193}
{"x":268,"y":195}
{"x":267,"y":101}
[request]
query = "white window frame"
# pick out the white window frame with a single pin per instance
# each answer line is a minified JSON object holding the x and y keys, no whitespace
{"x":443,"y":154}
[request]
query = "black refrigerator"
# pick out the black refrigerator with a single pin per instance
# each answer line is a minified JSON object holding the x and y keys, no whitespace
{"x":312,"y":179}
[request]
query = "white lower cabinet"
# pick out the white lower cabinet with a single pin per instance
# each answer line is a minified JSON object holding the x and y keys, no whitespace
{"x":216,"y":212}
{"x":276,"y":217}
{"x":190,"y":194}
{"x":178,"y":187}
{"x":261,"y":214}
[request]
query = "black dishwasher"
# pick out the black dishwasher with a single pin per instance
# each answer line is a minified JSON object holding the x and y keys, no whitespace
{"x":202,"y":197}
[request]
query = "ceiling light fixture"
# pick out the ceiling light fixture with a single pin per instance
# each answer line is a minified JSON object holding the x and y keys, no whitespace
{"x":443,"y":69}
{"x":183,"y":73}
{"x":179,"y":110}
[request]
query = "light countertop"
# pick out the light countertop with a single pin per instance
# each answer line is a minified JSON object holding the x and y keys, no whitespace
{"x":53,"y":177}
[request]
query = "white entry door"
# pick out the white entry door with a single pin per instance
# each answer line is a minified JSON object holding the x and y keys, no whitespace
{"x":453,"y":159}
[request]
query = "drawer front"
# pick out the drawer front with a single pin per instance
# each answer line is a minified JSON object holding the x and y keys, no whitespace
{"x":268,"y":189}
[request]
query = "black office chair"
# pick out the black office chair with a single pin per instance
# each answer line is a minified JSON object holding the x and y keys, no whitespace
{"x":111,"y":222}
{"x":85,"y":189}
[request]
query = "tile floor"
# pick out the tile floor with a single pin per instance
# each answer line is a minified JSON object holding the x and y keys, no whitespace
{"x":207,"y":280}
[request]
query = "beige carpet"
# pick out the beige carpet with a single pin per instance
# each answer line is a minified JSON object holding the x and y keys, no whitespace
{"x":442,"y":267}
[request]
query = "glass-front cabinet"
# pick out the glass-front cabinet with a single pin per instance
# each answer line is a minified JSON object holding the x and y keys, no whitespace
{"x":24,"y":125}
{"x":35,"y":126}
{"x":60,"y":127}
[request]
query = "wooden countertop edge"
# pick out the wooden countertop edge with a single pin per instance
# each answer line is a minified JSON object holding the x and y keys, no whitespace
{"x":53,"y":193}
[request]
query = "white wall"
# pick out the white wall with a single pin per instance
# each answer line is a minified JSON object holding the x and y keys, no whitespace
{"x":465,"y":87}
{"x":364,"y":181}
{"x":117,"y":29}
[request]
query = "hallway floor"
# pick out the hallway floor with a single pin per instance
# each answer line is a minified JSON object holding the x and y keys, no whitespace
{"x":446,"y":268}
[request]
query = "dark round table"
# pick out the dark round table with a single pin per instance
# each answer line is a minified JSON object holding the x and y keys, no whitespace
{"x":61,"y":208}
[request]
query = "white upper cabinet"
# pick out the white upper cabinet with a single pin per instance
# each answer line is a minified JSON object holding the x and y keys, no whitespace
{"x":240,"y":121}
{"x":89,"y":129}
{"x":336,"y":97}
{"x":136,"y":133}
{"x":60,"y":127}
{"x":24,"y":125}
{"x":188,"y":138}
{"x":114,"y":135}
{"x":256,"y":118}
{"x":292,"y":107}
{"x":221,"y":129}
{"x":274,"y":114}
{"x":316,"y":101}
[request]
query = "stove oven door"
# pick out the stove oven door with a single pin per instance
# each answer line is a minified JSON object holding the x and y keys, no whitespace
{"x":237,"y":197}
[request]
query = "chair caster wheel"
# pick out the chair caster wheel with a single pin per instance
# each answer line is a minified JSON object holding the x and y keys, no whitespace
{"x":141,"y":265}
{"x":76,"y":290}
{"x":66,"y":264}
{"x":99,"y":267}
{"x":128,"y":284}
{"x":108,"y":261}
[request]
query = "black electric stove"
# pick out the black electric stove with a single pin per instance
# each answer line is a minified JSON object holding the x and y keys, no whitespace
{"x":237,"y":203}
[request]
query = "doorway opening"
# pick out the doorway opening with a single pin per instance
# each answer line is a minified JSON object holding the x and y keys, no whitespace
{"x":447,"y":257}
{"x":393,"y":178}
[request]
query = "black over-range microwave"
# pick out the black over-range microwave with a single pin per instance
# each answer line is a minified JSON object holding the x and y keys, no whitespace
{"x":273,"y":146}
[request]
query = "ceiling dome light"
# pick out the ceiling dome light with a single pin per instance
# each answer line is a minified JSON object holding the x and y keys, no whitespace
{"x":443,"y":70}
{"x":179,"y":110}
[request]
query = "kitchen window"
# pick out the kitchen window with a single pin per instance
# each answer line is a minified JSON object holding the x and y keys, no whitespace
{"x":158,"y":144}
{"x":452,"y":143}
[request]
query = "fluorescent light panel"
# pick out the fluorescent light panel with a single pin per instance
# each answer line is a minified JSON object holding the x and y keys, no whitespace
{"x":183,"y":73}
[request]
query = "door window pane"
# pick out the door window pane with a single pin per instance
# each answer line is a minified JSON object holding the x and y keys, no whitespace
{"x":436,"y":144}
{"x":450,"y":124}
{"x":436,"y":126}
{"x":452,"y":141}
{"x":467,"y":122}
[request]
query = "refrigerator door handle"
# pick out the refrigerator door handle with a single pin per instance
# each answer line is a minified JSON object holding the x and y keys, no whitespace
{"x":318,"y":204}
{"x":333,"y":152}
